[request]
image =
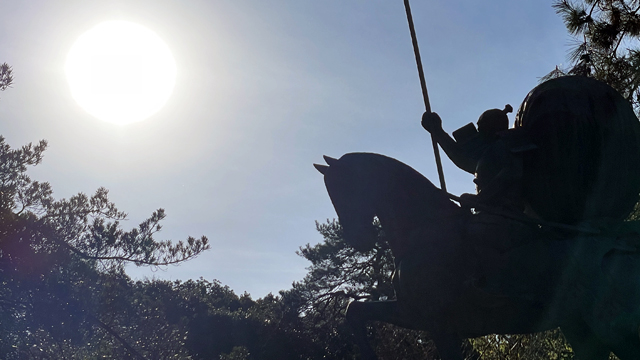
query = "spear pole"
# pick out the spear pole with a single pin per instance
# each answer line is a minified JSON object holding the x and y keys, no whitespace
{"x":425,"y":94}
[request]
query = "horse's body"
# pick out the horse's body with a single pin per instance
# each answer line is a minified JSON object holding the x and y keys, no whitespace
{"x":461,"y":275}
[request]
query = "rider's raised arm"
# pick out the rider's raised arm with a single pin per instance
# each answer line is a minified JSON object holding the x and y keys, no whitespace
{"x":433,"y":124}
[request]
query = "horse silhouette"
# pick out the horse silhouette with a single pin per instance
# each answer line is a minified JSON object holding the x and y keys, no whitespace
{"x":461,"y":274}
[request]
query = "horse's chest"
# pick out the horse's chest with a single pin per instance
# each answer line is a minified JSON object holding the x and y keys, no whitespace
{"x":431,"y":274}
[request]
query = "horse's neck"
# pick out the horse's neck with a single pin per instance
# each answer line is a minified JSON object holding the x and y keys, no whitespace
{"x":408,"y":197}
{"x":408,"y":205}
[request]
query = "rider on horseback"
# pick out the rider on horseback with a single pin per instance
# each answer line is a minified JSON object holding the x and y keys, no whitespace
{"x":487,"y":153}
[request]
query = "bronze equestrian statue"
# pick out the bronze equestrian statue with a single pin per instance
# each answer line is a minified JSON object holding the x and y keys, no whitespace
{"x":575,"y":161}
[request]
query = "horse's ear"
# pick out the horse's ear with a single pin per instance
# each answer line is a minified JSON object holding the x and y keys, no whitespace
{"x":321,"y":168}
{"x":330,"y":160}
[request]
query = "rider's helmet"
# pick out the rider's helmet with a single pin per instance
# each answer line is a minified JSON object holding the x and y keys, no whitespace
{"x":495,"y":120}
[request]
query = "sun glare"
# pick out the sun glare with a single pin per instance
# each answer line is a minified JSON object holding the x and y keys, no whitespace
{"x":120,"y":72}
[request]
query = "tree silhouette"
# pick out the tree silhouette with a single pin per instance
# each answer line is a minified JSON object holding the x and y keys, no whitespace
{"x":606,"y":34}
{"x":61,"y":260}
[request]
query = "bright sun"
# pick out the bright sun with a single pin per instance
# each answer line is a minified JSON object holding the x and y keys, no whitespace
{"x":120,"y":72}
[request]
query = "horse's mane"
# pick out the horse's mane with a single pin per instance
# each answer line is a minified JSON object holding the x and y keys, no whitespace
{"x":397,"y":186}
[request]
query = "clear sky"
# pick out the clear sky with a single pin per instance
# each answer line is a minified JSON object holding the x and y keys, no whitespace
{"x":263,"y":90}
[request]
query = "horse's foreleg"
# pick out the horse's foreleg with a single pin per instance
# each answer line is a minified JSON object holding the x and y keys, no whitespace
{"x":359,"y":313}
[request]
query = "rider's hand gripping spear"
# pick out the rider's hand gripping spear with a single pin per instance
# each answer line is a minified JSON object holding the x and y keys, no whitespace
{"x":425,"y":95}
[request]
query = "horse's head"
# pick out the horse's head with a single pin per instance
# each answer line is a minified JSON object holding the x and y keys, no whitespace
{"x":353,"y":201}
{"x":364,"y":185}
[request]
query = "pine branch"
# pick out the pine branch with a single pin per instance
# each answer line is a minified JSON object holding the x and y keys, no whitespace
{"x":113,"y":333}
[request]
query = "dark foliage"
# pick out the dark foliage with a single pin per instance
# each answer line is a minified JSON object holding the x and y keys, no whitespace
{"x":339,"y":274}
{"x":6,"y":76}
{"x":62,"y":269}
{"x":606,"y":34}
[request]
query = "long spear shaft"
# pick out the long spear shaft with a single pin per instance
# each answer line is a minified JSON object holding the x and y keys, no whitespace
{"x":425,"y":94}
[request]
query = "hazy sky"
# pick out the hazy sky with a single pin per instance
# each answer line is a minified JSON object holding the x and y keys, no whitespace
{"x":263,"y":90}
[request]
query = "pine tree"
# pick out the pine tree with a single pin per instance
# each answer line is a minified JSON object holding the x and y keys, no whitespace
{"x":62,"y":268}
{"x":339,"y":274}
{"x":606,"y":47}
